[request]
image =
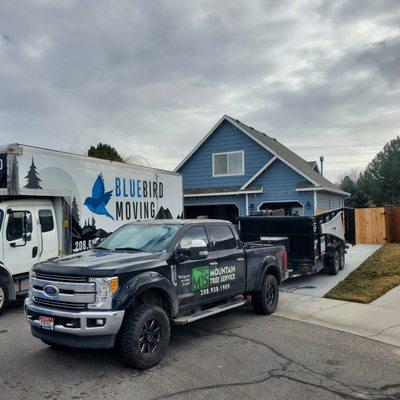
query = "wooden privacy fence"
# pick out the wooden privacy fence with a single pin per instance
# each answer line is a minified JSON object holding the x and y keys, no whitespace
{"x":377,"y":225}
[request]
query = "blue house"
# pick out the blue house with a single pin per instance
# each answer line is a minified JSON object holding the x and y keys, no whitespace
{"x":236,"y":170}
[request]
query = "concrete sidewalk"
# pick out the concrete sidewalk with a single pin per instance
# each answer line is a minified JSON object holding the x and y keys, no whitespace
{"x":379,"y":320}
{"x":320,"y":284}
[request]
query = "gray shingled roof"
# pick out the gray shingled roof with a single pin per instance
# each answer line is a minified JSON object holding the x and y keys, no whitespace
{"x":289,"y":156}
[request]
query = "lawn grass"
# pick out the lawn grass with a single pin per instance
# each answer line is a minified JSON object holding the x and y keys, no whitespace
{"x":374,"y":277}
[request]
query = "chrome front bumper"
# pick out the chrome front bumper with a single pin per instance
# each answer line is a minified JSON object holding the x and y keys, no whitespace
{"x":113,"y":320}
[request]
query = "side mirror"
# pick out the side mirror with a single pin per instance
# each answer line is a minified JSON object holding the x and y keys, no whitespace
{"x":198,"y":250}
{"x":27,"y":236}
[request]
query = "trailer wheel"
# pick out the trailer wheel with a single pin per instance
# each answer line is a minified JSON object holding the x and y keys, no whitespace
{"x":3,"y":296}
{"x":144,"y":337}
{"x":342,"y":258}
{"x":266,"y":300}
{"x":334,"y":263}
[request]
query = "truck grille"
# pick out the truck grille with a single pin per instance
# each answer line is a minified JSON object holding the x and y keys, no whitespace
{"x":62,"y":291}
{"x":61,"y":304}
{"x":60,"y":278}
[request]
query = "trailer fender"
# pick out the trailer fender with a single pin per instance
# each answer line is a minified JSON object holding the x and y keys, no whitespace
{"x":6,"y":276}
{"x":143,"y":282}
{"x":270,"y":266}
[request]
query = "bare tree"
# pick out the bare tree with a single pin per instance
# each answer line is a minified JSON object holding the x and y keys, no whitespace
{"x":137,"y":159}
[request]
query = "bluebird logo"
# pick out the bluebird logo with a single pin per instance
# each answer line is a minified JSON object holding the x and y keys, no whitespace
{"x":100,"y":198}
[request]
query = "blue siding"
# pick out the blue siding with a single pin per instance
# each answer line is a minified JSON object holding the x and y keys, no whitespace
{"x":329,"y":201}
{"x":197,"y":171}
{"x":279,"y":183}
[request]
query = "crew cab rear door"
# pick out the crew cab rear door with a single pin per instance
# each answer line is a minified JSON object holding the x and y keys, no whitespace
{"x":228,"y":266}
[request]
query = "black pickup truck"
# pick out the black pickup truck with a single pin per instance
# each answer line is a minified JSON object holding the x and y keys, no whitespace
{"x":145,"y":276}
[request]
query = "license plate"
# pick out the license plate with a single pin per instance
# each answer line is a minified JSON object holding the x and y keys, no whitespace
{"x":46,"y":323}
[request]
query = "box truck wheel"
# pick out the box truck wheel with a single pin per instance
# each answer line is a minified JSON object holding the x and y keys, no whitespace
{"x":3,"y":296}
{"x":266,"y":300}
{"x":144,"y":337}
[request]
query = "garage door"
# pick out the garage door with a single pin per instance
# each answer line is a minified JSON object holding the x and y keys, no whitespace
{"x":229,"y":212}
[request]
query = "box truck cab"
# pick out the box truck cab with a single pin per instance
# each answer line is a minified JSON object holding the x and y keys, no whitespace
{"x":28,"y":235}
{"x":54,"y":203}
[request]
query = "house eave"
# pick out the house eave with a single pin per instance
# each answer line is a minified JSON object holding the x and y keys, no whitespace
{"x":238,"y":193}
{"x":325,"y":189}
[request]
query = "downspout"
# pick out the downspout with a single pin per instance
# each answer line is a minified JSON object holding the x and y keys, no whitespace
{"x":315,"y":202}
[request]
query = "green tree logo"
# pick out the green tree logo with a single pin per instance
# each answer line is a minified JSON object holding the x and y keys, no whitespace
{"x":200,"y":277}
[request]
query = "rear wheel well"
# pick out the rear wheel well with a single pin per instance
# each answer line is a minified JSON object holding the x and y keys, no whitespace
{"x":273,"y":270}
{"x":154,"y":296}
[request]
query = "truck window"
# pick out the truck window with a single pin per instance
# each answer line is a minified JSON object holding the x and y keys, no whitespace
{"x":194,"y":232}
{"x":15,"y":225}
{"x":46,"y":220}
{"x":1,"y":217}
{"x":142,"y":237}
{"x":223,"y":237}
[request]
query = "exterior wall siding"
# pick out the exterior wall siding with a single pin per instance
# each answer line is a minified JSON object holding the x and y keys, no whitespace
{"x":197,"y":171}
{"x":329,"y":201}
{"x":279,"y":181}
{"x":279,"y":184}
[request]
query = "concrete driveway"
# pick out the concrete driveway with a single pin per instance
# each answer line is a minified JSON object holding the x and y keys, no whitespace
{"x":319,"y":284}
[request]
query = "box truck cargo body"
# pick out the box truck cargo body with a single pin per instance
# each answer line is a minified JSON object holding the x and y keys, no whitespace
{"x":55,"y":203}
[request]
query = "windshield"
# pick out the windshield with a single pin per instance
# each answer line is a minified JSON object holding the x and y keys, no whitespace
{"x":151,"y":238}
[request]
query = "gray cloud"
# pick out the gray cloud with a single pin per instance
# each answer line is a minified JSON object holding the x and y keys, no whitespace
{"x":152,"y":77}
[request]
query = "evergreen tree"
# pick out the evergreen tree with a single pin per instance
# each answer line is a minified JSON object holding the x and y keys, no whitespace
{"x":381,"y":180}
{"x":75,"y":211}
{"x":33,"y":178}
{"x":357,"y":197}
{"x":93,"y":223}
{"x":104,"y":151}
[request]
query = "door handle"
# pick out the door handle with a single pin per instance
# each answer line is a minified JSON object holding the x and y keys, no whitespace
{"x":240,"y":259}
{"x":214,"y":263}
{"x":34,"y":251}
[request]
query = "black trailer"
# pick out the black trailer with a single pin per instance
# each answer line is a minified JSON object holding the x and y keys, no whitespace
{"x":312,"y":243}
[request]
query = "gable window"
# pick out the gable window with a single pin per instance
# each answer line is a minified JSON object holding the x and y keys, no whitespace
{"x":228,"y":164}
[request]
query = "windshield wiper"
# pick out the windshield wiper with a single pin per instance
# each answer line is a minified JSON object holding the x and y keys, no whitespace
{"x":101,"y":248}
{"x":127,"y":249}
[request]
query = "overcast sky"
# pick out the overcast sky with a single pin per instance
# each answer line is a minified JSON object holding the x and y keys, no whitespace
{"x":152,"y":77}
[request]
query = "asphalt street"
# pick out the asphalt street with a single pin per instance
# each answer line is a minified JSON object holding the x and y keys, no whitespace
{"x":236,"y":355}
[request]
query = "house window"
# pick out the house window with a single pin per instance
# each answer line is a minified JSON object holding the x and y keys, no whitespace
{"x":228,"y":164}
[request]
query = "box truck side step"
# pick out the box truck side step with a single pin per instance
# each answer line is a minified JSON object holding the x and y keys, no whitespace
{"x":207,"y":313}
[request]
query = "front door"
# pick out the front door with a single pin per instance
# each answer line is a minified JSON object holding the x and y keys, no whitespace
{"x":193,"y":275}
{"x":20,"y":238}
{"x":47,"y":232}
{"x":228,"y":274}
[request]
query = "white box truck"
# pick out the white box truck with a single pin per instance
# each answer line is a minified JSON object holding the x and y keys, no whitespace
{"x":55,"y":203}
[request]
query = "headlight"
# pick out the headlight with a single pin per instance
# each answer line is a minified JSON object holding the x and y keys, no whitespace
{"x":105,"y":289}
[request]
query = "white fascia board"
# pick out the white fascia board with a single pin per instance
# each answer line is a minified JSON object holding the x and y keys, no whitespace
{"x":320,"y":188}
{"x":210,"y":132}
{"x":259,"y":172}
{"x":224,"y":193}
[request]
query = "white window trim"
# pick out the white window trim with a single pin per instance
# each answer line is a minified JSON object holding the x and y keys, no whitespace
{"x":227,"y":153}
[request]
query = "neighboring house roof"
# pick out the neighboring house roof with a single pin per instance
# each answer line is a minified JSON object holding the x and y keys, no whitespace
{"x":221,"y":191}
{"x":281,"y":152}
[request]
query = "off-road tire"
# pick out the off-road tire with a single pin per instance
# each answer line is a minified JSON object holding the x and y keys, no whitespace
{"x":342,"y":258}
{"x":266,"y":300}
{"x":136,"y":340}
{"x":334,"y":263}
{"x":3,"y":296}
